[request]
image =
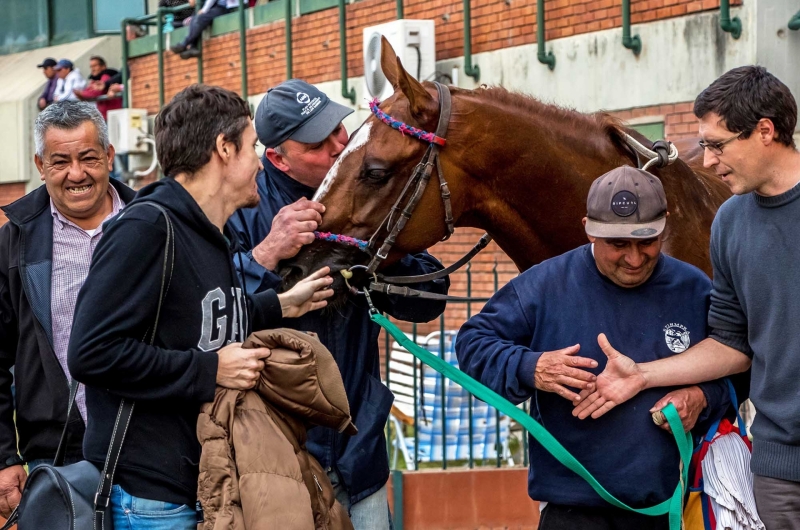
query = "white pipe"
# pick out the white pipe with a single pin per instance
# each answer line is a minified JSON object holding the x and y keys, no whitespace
{"x":153,"y":164}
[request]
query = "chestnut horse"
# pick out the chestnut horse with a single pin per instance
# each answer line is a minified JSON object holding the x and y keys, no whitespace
{"x":517,"y":168}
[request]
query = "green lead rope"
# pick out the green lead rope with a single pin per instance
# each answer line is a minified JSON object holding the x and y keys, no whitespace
{"x":673,"y":506}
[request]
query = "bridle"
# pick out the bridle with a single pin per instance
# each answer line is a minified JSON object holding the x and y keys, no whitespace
{"x":403,"y":208}
{"x":418,"y":181}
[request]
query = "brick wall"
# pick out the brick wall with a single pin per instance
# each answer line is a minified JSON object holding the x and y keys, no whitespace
{"x":8,"y":194}
{"x":495,"y":24}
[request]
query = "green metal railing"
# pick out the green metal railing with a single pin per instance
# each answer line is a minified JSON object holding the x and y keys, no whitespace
{"x":418,"y":403}
{"x":288,"y":29}
{"x":347,"y":93}
{"x":242,"y":48}
{"x":474,"y":71}
{"x":544,"y":57}
{"x":794,"y":22}
{"x":728,"y":24}
{"x":633,"y":43}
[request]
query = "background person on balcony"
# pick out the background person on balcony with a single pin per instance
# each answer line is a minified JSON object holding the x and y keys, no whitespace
{"x":45,"y":251}
{"x":179,"y":16}
{"x":52,"y":80}
{"x":69,"y":79}
{"x":98,"y":84}
{"x":747,"y":119}
{"x":525,"y":344}
{"x":210,"y":10}
{"x":303,"y":132}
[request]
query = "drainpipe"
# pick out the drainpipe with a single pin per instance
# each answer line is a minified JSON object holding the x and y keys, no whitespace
{"x":243,"y":48}
{"x":351,"y":92}
{"x":160,"y":51}
{"x":288,"y":29}
{"x":400,"y":14}
{"x":794,"y":22}
{"x":731,"y":25}
{"x":124,"y":28}
{"x":632,"y":43}
{"x":474,"y":71}
{"x":544,"y":57}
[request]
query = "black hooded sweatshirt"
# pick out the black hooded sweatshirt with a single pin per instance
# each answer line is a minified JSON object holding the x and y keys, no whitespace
{"x":204,"y":308}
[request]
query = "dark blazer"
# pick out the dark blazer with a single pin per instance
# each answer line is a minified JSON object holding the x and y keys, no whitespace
{"x":26,"y":336}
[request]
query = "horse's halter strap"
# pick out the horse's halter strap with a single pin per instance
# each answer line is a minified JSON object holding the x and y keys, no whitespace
{"x":418,"y":180}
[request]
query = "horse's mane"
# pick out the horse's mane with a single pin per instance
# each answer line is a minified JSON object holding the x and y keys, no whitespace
{"x":601,"y":122}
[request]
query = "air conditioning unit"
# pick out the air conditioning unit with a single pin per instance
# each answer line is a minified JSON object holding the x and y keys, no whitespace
{"x":414,"y":43}
{"x":126,"y":130}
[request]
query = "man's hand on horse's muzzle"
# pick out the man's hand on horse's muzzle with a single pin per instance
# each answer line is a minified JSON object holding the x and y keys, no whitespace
{"x":292,"y":228}
{"x":557,"y":370}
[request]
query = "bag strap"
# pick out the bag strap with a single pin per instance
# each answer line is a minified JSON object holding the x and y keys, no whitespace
{"x":62,"y":443}
{"x":103,"y":496}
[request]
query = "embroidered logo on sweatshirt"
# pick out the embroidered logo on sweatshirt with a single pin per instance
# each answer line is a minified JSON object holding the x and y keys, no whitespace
{"x":677,"y":337}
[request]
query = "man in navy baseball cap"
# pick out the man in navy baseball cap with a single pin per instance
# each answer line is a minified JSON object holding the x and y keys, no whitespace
{"x":302,"y":131}
{"x":298,"y":111}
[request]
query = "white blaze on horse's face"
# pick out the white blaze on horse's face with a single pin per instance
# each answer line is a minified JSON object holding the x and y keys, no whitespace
{"x":359,"y":140}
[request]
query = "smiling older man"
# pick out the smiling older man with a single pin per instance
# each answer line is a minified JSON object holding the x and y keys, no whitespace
{"x":525,"y":343}
{"x":45,"y":251}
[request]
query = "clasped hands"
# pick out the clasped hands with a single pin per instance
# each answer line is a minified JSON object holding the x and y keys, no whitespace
{"x":557,"y":371}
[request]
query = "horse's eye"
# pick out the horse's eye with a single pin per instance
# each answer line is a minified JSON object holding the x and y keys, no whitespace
{"x":376,"y":175}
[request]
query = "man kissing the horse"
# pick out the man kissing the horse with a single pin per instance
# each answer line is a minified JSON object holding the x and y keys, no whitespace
{"x":526,"y":341}
{"x":303,"y":133}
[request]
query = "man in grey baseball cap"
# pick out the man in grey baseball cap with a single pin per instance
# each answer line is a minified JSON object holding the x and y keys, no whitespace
{"x":545,"y":336}
{"x":302,"y":131}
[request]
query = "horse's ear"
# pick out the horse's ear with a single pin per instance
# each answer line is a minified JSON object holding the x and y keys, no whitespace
{"x":388,"y":61}
{"x":418,"y":98}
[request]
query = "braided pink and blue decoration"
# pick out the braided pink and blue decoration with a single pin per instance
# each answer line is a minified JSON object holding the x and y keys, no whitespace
{"x":360,"y":244}
{"x":403,"y":127}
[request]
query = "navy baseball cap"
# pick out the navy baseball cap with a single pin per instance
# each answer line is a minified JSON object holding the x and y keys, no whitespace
{"x":296,"y":110}
{"x":47,"y":63}
{"x":64,"y":63}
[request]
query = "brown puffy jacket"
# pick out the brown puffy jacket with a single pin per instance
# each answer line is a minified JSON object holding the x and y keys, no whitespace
{"x":255,"y":471}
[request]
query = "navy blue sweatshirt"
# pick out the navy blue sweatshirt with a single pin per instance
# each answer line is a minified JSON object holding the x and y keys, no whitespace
{"x":203,"y":309}
{"x":565,"y":301}
{"x":348,"y":333}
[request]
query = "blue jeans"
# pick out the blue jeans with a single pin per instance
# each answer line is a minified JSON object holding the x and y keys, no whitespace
{"x":33,"y":464}
{"x":136,"y":513}
{"x":371,"y":513}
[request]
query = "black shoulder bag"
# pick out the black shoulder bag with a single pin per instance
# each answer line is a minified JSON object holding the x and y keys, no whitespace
{"x":76,"y":497}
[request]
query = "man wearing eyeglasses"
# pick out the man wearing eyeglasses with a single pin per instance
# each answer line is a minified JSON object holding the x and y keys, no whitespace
{"x":747,"y":118}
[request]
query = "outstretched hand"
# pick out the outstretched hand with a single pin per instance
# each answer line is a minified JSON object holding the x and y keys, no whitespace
{"x":621,"y":380}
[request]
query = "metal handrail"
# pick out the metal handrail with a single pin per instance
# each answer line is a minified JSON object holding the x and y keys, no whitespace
{"x":348,"y":93}
{"x":633,"y":43}
{"x":728,"y":24}
{"x":474,"y":71}
{"x":544,"y":57}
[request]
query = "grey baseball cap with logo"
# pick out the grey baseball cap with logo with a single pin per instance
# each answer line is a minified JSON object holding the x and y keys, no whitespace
{"x":626,"y":203}
{"x":296,"y":110}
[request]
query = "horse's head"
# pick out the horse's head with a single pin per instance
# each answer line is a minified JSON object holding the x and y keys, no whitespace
{"x":369,"y":177}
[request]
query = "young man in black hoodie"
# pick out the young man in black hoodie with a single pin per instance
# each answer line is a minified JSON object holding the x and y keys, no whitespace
{"x":206,"y":146}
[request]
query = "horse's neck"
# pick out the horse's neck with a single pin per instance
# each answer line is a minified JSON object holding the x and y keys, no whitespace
{"x":528,"y":180}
